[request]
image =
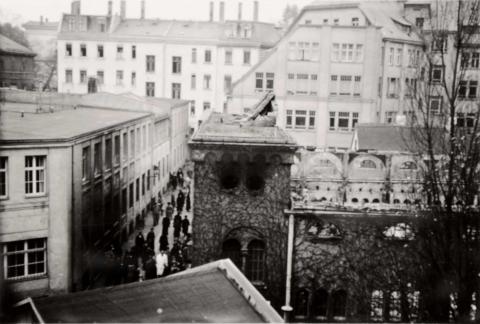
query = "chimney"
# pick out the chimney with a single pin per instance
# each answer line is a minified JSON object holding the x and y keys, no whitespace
{"x":210,"y":17}
{"x":239,"y":11}
{"x":142,"y":10}
{"x":255,"y":11}
{"x":110,"y":8}
{"x":76,"y":7}
{"x":222,"y":11}
{"x":123,"y":9}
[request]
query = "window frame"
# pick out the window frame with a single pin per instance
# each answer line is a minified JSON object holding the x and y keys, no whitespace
{"x":25,"y":252}
{"x":34,"y":178}
{"x":4,"y":172}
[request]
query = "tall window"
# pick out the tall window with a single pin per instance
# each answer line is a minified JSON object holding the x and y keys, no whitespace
{"x":83,"y":50}
{"x":119,"y":78}
{"x":339,"y":301}
{"x":100,"y":77}
{"x":176,"y":64}
{"x":259,"y":81}
{"x":68,"y":49}
{"x":231,"y":250}
{"x":193,"y":82}
{"x":269,"y":80}
{"x":137,"y":189}
{"x":393,"y":87}
{"x":143,"y":184}
{"x":435,"y":104}
{"x":227,"y":83}
{"x":24,"y":259}
{"x":246,"y":57}
{"x":125,"y":146}
{"x":134,"y":52}
{"x":391,"y":56}
{"x":97,"y":159}
{"x":130,"y":195}
{"x":133,"y":81}
{"x":206,"y":105}
{"x":116,"y":150}
{"x":355,"y":21}
{"x":35,"y":174}
{"x":100,"y":51}
{"x":83,"y":76}
{"x":228,"y":56}
{"x":3,"y":176}
{"x":194,"y":55}
{"x":86,"y":163}
{"x":68,"y":76}
{"x":320,"y":304}
{"x":176,"y":90}
{"x":208,"y":56}
{"x":119,"y":51}
{"x":206,"y":81}
{"x":256,"y":261}
{"x":108,"y":153}
{"x":436,"y":73}
{"x":150,"y":63}
{"x":132,"y":143}
{"x":150,"y":89}
{"x":399,"y":56}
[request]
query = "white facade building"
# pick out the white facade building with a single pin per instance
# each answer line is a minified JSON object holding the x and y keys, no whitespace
{"x":337,"y":65}
{"x":192,"y":60}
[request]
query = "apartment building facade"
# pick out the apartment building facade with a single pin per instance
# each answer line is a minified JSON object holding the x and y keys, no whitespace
{"x":192,"y":60}
{"x":338,"y":65}
{"x":89,"y":181}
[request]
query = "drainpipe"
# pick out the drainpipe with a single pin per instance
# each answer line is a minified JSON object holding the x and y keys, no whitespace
{"x":287,"y":308}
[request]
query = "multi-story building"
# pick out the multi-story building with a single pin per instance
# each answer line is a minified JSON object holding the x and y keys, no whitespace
{"x":16,"y":65}
{"x":42,"y":38}
{"x":78,"y":173}
{"x":194,"y":60}
{"x":337,"y":65}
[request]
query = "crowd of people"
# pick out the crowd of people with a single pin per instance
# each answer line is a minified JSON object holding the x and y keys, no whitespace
{"x":141,"y":262}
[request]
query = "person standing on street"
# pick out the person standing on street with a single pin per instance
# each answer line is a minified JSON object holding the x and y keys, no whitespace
{"x":151,"y":268}
{"x":139,"y":244}
{"x":163,"y":243}
{"x":180,"y":201}
{"x":151,"y":240}
{"x":185,"y":225}
{"x":162,"y":263}
{"x":165,"y":225}
{"x":188,"y":204}
{"x":156,"y":214}
{"x":169,"y":210}
{"x":177,"y":224}
{"x":172,"y":200}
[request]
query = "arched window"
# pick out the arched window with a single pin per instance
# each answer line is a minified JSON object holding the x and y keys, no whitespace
{"x":365,"y":200}
{"x":409,"y":165}
{"x":375,"y":201}
{"x":396,"y":201}
{"x":407,"y":202}
{"x":231,"y":249}
{"x":354,"y":200}
{"x":320,"y":304}
{"x":368,"y":164}
{"x":301,"y":304}
{"x":256,"y":261}
{"x":339,"y":301}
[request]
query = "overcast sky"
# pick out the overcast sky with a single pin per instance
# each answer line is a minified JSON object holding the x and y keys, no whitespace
{"x":19,"y":11}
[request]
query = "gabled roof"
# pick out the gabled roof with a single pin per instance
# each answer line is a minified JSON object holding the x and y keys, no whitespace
{"x":216,"y":292}
{"x":10,"y":46}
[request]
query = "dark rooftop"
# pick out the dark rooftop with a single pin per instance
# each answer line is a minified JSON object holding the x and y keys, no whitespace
{"x":216,"y":292}
{"x":9,"y":46}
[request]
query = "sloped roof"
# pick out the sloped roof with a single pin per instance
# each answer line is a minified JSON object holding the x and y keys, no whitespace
{"x":45,"y":25}
{"x":263,"y":34}
{"x":395,"y":138}
{"x":10,"y":46}
{"x":216,"y":292}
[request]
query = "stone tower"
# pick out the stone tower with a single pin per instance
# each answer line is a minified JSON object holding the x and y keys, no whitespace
{"x":242,"y":187}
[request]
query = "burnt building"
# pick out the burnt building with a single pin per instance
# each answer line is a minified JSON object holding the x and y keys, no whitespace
{"x":16,"y":65}
{"x":242,"y":187}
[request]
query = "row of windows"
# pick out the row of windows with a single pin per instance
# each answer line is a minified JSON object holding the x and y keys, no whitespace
{"x":347,"y":52}
{"x":345,"y":85}
{"x":139,"y":141}
{"x":303,"y":51}
{"x":300,"y":119}
{"x":355,"y":21}
{"x":302,"y":84}
{"x":470,"y":60}
{"x":264,"y":81}
{"x":35,"y":175}
{"x":395,"y":57}
{"x":100,"y":51}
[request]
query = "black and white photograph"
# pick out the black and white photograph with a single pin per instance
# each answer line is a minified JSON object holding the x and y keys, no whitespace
{"x":239,"y":161}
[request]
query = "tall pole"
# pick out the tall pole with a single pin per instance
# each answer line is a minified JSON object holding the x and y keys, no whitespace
{"x":287,"y":308}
